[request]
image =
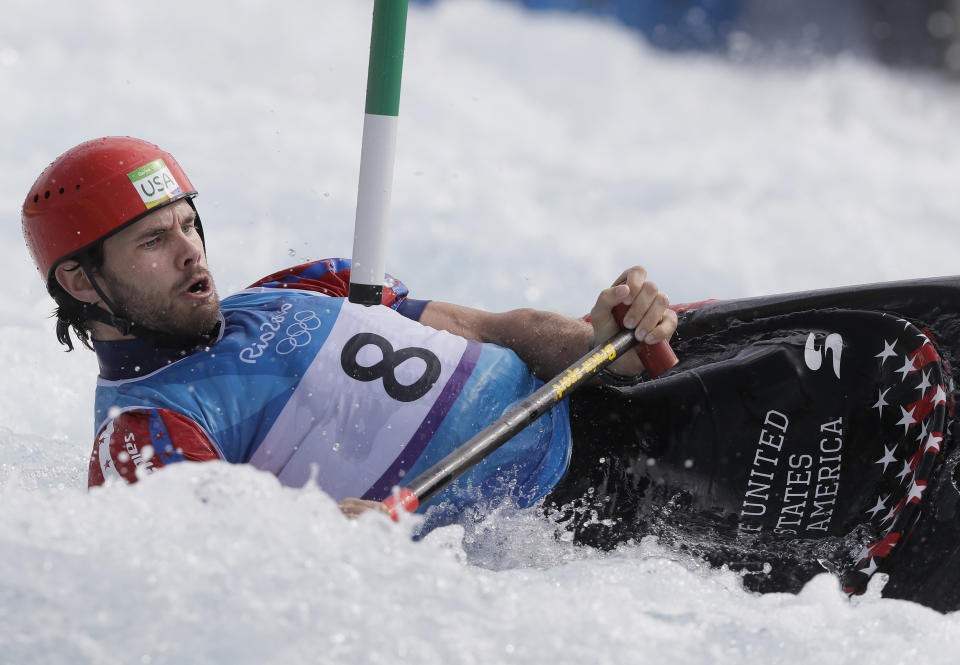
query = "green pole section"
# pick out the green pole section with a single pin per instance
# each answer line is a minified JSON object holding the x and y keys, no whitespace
{"x":386,"y":57}
{"x":377,"y":155}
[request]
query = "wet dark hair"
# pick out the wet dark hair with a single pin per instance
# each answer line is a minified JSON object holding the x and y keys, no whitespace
{"x":70,"y":312}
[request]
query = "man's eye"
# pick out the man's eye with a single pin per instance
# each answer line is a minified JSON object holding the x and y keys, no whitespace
{"x":188,"y":228}
{"x":150,"y":244}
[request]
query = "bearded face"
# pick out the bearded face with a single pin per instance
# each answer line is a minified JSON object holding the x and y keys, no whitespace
{"x":155,"y":274}
{"x":189,"y":308}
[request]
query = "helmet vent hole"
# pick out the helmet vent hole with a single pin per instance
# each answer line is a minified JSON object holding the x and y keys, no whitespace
{"x":46,"y":194}
{"x":36,"y":197}
{"x":78,"y":187}
{"x":61,"y":190}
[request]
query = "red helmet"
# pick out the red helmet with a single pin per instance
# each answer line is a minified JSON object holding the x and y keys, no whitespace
{"x":94,"y":190}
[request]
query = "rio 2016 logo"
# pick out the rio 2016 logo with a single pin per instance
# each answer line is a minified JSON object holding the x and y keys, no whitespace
{"x":296,"y":333}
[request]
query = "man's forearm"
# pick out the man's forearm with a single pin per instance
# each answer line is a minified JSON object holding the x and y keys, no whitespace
{"x":545,"y":341}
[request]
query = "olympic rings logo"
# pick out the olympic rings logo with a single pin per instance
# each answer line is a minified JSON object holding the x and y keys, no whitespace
{"x":298,"y":332}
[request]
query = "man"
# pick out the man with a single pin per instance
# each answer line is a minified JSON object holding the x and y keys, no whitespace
{"x":798,"y":434}
{"x":287,"y":376}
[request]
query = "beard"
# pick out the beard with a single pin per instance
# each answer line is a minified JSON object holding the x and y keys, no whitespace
{"x":167,"y":313}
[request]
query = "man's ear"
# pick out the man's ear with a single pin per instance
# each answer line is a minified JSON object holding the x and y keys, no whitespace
{"x":74,"y":281}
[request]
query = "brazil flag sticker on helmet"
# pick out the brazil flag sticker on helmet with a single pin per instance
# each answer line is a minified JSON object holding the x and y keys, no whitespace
{"x":154,"y":183}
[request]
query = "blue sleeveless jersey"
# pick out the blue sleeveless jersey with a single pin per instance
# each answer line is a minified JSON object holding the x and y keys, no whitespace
{"x":309,"y":386}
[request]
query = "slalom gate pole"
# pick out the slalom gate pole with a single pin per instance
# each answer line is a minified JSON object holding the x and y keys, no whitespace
{"x":657,"y":358}
{"x":377,"y":154}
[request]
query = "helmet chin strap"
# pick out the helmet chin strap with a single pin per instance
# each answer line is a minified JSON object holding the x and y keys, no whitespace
{"x":117,"y":318}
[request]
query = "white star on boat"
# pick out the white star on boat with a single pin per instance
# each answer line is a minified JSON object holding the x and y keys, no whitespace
{"x":889,"y":516}
{"x":907,"y":420}
{"x":939,"y":397}
{"x":905,"y":471}
{"x":888,"y":458}
{"x":916,"y":491}
{"x":907,"y":368}
{"x":881,"y":504}
{"x":881,"y":402}
{"x":887,"y":352}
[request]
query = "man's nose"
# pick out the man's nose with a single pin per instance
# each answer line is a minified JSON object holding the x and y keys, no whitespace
{"x":189,"y":249}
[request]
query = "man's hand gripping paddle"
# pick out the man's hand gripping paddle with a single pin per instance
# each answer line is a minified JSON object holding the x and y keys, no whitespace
{"x":657,"y":358}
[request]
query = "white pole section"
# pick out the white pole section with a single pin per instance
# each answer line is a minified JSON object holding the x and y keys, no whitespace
{"x":378,"y":152}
